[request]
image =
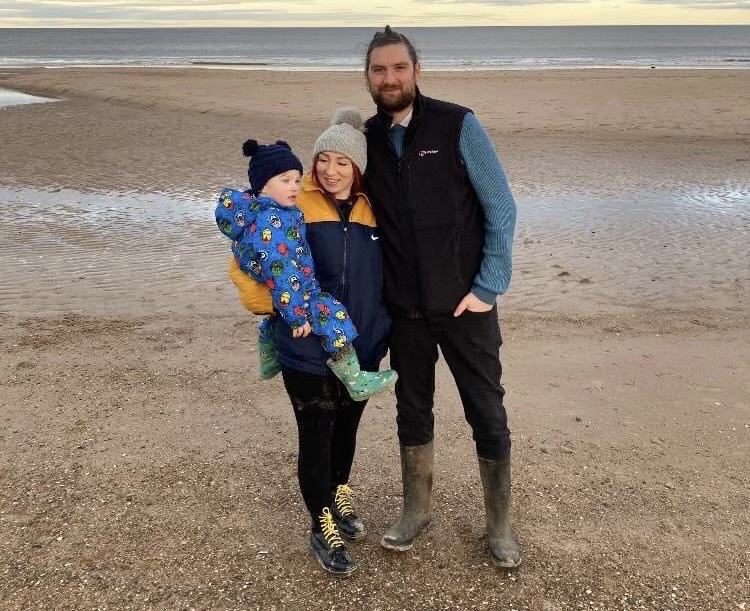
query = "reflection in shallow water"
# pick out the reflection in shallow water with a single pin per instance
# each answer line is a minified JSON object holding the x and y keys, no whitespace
{"x":8,"y":97}
{"x":690,"y":203}
{"x":128,"y":212}
{"x":107,"y":252}
{"x":726,"y":198}
{"x":677,"y":248}
{"x":135,"y":252}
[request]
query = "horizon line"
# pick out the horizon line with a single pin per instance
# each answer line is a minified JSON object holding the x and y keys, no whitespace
{"x":368,"y":27}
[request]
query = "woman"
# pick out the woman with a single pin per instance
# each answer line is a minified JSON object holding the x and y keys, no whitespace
{"x":348,"y":262}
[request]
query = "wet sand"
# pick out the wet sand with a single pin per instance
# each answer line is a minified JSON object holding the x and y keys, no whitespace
{"x":133,"y":430}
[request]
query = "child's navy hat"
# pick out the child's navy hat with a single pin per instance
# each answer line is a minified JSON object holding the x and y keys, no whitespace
{"x":268,"y":160}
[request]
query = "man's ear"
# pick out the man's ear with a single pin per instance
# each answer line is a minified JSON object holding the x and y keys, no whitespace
{"x":417,"y":69}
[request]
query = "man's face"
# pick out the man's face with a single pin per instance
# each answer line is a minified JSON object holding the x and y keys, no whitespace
{"x":392,"y":78}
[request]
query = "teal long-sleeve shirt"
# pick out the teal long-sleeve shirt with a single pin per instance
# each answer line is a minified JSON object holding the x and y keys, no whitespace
{"x":491,"y":186}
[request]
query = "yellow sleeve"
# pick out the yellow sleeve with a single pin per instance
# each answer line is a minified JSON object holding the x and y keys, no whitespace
{"x":253,"y":295}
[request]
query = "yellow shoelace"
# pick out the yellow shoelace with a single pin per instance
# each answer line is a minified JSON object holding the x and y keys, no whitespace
{"x":343,"y":500}
{"x":330,"y":530}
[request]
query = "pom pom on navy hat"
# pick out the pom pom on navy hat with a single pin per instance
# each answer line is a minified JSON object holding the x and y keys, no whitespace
{"x":249,"y":147}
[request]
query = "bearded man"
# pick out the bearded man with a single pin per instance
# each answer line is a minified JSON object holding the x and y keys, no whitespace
{"x":446,"y":217}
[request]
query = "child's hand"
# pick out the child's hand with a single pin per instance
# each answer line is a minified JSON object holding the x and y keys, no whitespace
{"x":302,"y":331}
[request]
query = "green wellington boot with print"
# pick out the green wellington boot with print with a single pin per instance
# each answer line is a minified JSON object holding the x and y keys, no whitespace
{"x":268,"y":359}
{"x":361,"y":384}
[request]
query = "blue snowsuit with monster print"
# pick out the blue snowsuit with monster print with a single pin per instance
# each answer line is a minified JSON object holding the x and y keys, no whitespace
{"x":269,"y":244}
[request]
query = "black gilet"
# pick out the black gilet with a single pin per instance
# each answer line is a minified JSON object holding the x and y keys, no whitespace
{"x":431,"y":222}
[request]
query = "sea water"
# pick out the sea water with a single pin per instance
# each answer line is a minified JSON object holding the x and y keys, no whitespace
{"x":442,"y":48}
{"x":9,"y":97}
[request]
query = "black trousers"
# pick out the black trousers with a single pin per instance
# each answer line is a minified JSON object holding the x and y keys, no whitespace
{"x":470,"y":345}
{"x":327,"y":422}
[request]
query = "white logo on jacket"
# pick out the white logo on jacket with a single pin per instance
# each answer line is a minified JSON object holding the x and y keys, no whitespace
{"x":428,"y":152}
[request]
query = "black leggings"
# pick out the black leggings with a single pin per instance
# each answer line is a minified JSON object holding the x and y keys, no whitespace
{"x":327,"y":422}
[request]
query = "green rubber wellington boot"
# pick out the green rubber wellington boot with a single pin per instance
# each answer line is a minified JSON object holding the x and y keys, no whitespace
{"x":361,"y":384}
{"x":417,"y":465}
{"x":268,"y":359}
{"x":495,"y":475}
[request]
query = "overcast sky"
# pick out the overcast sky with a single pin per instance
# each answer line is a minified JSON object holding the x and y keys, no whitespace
{"x":155,"y":13}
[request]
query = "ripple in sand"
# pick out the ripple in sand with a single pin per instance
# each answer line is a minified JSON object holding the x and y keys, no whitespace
{"x":683,"y":247}
{"x":724,"y":198}
{"x":132,"y":252}
{"x":107,"y":252}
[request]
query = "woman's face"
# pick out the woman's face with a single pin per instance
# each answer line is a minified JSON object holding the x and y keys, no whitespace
{"x":335,"y":173}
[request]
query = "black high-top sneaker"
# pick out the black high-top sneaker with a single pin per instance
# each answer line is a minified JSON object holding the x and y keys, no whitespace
{"x":328,"y":547}
{"x":350,"y":525}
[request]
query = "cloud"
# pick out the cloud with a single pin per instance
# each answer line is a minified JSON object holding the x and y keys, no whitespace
{"x":713,"y":4}
{"x":241,"y":13}
{"x":331,"y":13}
{"x":143,"y":4}
{"x":179,"y":12}
{"x":505,"y":2}
{"x":228,"y":11}
{"x":704,"y":4}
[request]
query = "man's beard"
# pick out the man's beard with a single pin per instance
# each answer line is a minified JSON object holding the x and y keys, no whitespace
{"x":391,"y":105}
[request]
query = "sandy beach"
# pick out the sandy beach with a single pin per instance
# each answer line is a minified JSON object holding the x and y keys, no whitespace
{"x":142,"y":466}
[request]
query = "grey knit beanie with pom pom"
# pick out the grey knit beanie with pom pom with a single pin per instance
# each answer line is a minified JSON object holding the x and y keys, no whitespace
{"x":345,"y":137}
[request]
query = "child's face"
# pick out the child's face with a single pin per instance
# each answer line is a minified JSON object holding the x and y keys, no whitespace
{"x":284,"y":188}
